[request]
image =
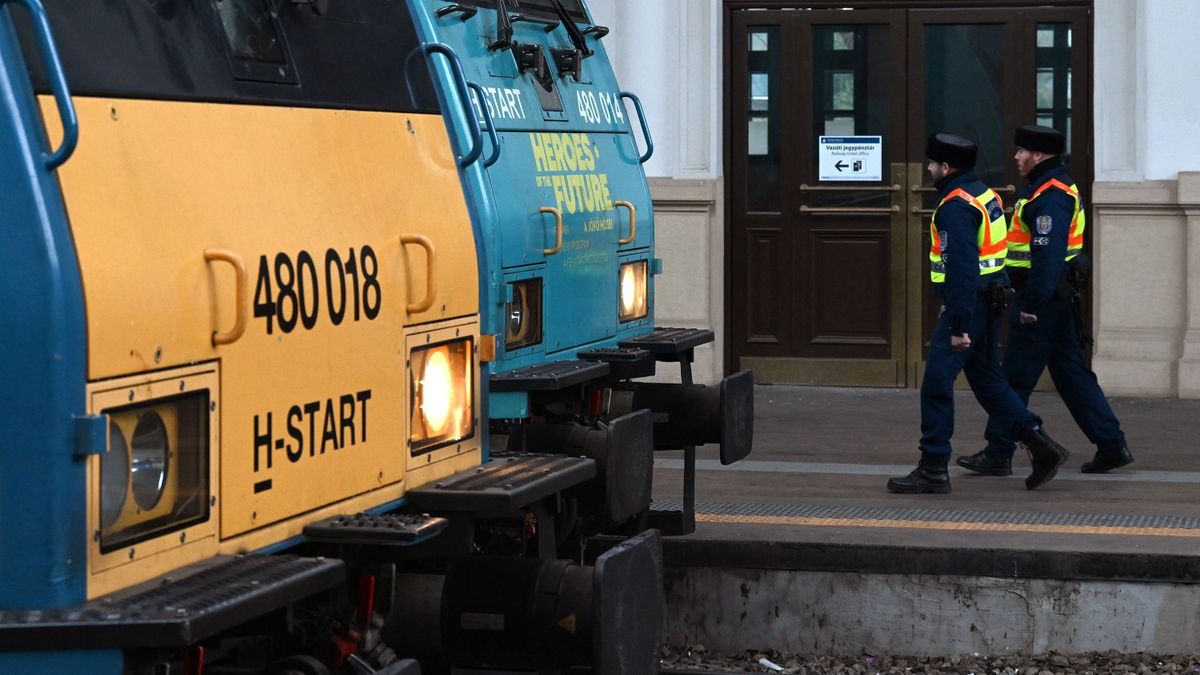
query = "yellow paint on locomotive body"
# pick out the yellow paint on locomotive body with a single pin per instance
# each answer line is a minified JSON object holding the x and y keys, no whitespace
{"x":314,"y":203}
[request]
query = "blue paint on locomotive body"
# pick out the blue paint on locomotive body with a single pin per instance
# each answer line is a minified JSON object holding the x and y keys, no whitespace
{"x":43,"y":533}
{"x":580,"y":160}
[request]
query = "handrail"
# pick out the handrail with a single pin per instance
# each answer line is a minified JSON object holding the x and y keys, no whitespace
{"x":558,"y":230}
{"x":632,"y":222}
{"x":239,"y":306}
{"x":460,"y":83}
{"x":58,"y":84}
{"x":804,"y":187}
{"x":491,"y":127}
{"x":850,"y":210}
{"x":637,"y":104}
{"x":430,"y":272}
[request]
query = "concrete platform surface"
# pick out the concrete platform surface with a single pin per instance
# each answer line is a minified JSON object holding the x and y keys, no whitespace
{"x":812,"y":495}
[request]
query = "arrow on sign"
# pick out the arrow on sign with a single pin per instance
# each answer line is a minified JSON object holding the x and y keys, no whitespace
{"x":840,"y":165}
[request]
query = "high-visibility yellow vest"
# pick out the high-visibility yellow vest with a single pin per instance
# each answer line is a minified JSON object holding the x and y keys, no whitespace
{"x":1020,"y":235}
{"x":993,"y":246}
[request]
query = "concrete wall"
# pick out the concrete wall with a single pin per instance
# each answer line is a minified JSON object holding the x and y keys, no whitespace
{"x":668,"y":52}
{"x":1146,"y":215}
{"x":730,"y":611}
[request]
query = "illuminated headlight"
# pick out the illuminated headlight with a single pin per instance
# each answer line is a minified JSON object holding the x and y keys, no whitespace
{"x":154,"y":477}
{"x":442,"y":408}
{"x":523,"y":316}
{"x":632,"y":281}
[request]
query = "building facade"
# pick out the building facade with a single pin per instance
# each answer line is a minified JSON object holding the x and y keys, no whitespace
{"x":811,"y":275}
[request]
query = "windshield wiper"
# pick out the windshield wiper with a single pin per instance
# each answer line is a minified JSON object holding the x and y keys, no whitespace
{"x":504,"y":29}
{"x":573,"y":32}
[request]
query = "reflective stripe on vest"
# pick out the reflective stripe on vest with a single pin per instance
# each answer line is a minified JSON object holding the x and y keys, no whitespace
{"x":1020,"y":236}
{"x":993,"y":247}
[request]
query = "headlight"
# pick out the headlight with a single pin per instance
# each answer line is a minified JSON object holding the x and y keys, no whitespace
{"x":523,"y":316}
{"x":114,"y":477}
{"x":154,"y":477}
{"x":442,"y":409}
{"x":632,"y":281}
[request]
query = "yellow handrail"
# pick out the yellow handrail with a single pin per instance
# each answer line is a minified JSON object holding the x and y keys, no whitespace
{"x":240,"y":313}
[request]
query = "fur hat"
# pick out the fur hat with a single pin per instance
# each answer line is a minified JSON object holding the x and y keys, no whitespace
{"x":956,"y":151}
{"x":1040,"y":139}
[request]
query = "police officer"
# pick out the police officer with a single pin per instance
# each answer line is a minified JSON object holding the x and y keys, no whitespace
{"x":967,"y":268}
{"x":1048,"y":268}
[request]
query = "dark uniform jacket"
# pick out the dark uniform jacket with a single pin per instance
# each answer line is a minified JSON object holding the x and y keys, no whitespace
{"x":1049,"y":221}
{"x":958,"y":226}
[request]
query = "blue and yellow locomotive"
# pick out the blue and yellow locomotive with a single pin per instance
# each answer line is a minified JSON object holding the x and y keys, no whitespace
{"x":270,"y":285}
{"x":552,"y":173}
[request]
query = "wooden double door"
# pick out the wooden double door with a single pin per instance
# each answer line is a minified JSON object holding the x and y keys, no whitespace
{"x":828,"y":200}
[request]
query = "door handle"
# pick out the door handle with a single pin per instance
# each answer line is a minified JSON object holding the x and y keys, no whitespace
{"x":430,"y":272}
{"x":632,"y":222}
{"x":558,"y":230}
{"x":239,"y":305}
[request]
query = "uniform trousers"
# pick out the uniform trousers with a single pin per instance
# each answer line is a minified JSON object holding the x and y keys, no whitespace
{"x":942,"y":366}
{"x":1053,"y":340}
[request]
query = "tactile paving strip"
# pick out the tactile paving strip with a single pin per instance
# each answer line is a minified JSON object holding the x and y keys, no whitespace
{"x":876,"y":516}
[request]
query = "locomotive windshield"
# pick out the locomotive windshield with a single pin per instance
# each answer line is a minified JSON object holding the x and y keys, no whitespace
{"x":354,"y":56}
{"x":545,"y":7}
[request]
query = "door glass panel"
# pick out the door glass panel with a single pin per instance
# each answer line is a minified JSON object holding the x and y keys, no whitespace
{"x":762,"y":106}
{"x":964,"y":91}
{"x":851,"y":97}
{"x":1053,"y":60}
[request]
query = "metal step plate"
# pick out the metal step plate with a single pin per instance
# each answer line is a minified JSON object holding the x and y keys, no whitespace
{"x":549,"y":376}
{"x":507,"y":483}
{"x":390,"y":529}
{"x":671,"y":340}
{"x":627,"y":363}
{"x":178,"y":609}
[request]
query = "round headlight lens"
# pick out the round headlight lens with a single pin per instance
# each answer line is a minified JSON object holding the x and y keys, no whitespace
{"x":436,"y":391}
{"x":151,"y":454}
{"x":628,"y":289}
{"x":114,"y":477}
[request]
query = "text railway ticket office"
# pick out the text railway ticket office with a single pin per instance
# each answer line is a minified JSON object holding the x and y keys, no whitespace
{"x":828,"y":106}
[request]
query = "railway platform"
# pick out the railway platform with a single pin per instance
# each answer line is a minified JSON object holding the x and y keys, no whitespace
{"x":801,"y":548}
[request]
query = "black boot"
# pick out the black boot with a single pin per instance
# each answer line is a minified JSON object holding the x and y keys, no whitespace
{"x":1108,"y":459}
{"x":988,"y":465}
{"x":929,"y":476}
{"x":1045,"y":455}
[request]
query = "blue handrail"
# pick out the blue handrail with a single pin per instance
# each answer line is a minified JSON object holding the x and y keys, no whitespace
{"x":58,"y":84}
{"x":637,"y":104}
{"x":491,"y":127}
{"x":460,"y":84}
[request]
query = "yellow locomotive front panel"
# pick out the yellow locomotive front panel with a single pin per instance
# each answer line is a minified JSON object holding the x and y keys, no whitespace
{"x":304,"y":239}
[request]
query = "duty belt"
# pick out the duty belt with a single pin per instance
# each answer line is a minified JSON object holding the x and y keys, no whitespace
{"x":983,"y":265}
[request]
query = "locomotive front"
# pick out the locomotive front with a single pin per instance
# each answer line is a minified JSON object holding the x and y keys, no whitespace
{"x":567,"y":227}
{"x":243,"y":317}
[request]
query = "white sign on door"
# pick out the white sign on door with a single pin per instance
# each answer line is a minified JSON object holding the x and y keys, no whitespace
{"x":850,"y":157}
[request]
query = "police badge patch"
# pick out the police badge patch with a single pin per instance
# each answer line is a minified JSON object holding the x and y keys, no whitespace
{"x":1044,"y":224}
{"x":942,"y":239}
{"x":995,"y":211}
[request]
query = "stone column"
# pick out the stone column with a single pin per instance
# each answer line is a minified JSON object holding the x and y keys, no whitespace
{"x":1188,"y":373}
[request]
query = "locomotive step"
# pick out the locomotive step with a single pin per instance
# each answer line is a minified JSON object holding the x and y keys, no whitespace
{"x":549,"y":376}
{"x":671,"y":340}
{"x":626,"y":363}
{"x":505,"y":484}
{"x":391,"y":529}
{"x":175,"y":610}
